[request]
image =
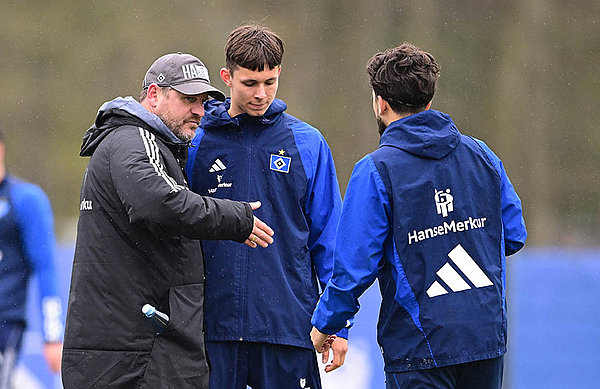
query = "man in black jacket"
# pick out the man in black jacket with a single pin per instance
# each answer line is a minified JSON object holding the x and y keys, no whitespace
{"x":138,"y":239}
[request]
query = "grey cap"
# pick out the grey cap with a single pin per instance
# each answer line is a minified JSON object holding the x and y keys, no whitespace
{"x":182,"y":72}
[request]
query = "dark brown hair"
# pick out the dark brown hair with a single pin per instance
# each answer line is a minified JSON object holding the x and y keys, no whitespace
{"x":405,"y":77}
{"x":253,"y":47}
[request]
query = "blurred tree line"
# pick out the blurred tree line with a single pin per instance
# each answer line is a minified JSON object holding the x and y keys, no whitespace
{"x":524,"y":76}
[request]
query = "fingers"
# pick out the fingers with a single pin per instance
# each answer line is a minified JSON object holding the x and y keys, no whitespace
{"x":254,"y":240}
{"x":263,"y":228}
{"x":261,"y":234}
{"x":320,"y":340}
{"x":338,"y":360}
{"x":339,"y":348}
{"x":250,"y":243}
{"x":325,"y":354}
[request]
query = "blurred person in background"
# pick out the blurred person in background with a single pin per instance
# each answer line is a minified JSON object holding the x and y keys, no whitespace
{"x":432,"y":214}
{"x":259,"y":304}
{"x":27,"y":246}
{"x":138,"y":239}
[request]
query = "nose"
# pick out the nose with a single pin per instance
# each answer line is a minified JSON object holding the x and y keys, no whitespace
{"x":198,"y":109}
{"x":260,"y":92}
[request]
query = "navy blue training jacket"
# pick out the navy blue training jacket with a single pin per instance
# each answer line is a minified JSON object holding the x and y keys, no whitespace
{"x":27,"y":246}
{"x":431,"y":214}
{"x":267,"y":295}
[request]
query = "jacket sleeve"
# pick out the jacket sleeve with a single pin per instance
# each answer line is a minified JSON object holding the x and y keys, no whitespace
{"x":513,"y":224}
{"x":323,"y":207}
{"x":36,"y":223}
{"x":153,"y":198}
{"x":359,"y":247}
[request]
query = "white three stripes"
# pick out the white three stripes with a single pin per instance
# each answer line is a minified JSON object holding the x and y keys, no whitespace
{"x":217,"y":166}
{"x":153,"y":154}
{"x":467,"y":265}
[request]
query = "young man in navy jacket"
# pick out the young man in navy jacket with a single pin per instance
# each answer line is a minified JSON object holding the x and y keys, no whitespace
{"x":441,"y":215}
{"x":258,"y":304}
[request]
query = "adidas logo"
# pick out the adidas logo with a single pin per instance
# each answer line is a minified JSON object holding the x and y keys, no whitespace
{"x":217,"y":166}
{"x":453,"y":280}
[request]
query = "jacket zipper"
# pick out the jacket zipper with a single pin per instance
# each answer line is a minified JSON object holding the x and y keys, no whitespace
{"x":248,"y":133}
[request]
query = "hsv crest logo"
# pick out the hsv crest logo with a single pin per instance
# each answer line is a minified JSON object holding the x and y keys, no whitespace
{"x":279,"y":163}
{"x":303,"y":383}
{"x":444,"y":202}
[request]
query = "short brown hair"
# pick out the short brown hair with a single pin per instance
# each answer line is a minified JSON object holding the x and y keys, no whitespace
{"x":253,"y":47}
{"x":405,"y":77}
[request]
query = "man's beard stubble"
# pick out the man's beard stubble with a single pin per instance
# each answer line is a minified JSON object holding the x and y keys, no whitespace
{"x":176,"y":127}
{"x":380,"y":126}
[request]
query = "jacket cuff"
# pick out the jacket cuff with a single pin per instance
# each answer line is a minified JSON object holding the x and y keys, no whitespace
{"x":343,"y":333}
{"x":250,"y":226}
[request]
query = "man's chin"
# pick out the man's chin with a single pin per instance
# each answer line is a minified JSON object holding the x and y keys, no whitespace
{"x":257,"y":112}
{"x":186,"y":135}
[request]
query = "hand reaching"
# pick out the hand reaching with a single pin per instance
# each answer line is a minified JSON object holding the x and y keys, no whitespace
{"x":261,"y":233}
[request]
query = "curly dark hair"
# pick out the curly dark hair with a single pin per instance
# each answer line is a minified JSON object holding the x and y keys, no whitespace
{"x":405,"y":77}
{"x":253,"y":47}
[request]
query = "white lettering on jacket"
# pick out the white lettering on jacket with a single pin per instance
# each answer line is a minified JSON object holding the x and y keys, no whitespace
{"x":445,"y":228}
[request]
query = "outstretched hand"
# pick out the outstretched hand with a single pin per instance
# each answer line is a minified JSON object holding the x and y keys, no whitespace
{"x":261,"y":233}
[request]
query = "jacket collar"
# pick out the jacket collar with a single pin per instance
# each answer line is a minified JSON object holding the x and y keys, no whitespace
{"x":125,"y":111}
{"x":429,"y":134}
{"x":216,"y":114}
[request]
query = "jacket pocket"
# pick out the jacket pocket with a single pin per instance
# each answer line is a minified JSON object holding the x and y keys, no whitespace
{"x":178,"y":357}
{"x":102,"y":369}
{"x":309,"y":284}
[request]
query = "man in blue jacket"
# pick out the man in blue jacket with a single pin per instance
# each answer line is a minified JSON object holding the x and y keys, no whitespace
{"x":258,"y":304}
{"x":441,"y":216}
{"x":26,"y":246}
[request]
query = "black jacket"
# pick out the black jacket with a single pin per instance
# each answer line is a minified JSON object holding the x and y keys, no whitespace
{"x":137,"y":243}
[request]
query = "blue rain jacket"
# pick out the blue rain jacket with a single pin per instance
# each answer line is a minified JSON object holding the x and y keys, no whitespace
{"x":267,"y":295}
{"x":27,"y":246}
{"x":431,"y":213}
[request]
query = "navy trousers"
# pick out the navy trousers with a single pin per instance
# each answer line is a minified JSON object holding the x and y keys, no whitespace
{"x":235,"y":365}
{"x":484,"y":374}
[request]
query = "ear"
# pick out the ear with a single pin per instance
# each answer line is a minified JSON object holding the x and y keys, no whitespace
{"x":152,"y":95}
{"x":382,"y":105}
{"x":226,"y":77}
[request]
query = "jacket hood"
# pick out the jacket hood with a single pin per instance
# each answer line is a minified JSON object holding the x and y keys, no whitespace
{"x":216,"y":115}
{"x":428,"y":134}
{"x":119,"y":112}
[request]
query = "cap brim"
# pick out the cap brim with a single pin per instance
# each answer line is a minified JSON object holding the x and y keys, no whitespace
{"x":199,"y":87}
